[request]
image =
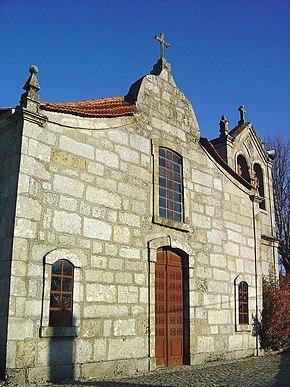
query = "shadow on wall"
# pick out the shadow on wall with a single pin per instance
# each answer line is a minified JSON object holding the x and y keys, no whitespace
{"x":10,"y":150}
{"x":283,"y":376}
{"x":61,"y":354}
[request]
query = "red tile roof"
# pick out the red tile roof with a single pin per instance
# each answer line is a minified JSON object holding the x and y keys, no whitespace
{"x":214,"y":153}
{"x":101,"y":107}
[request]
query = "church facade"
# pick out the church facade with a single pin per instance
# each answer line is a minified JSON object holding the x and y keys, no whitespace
{"x":128,"y":241}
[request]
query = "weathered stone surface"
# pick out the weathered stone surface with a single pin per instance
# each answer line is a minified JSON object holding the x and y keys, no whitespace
{"x":66,"y":222}
{"x":87,"y":192}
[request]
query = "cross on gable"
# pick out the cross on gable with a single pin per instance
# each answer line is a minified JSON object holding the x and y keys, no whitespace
{"x":242,"y":111}
{"x":162,"y":43}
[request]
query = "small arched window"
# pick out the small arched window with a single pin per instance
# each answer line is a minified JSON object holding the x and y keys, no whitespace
{"x":242,"y":168}
{"x":61,"y":294}
{"x":259,"y":184}
{"x":243,"y":303}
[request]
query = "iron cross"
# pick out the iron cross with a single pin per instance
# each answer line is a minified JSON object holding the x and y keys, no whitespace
{"x":162,"y":43}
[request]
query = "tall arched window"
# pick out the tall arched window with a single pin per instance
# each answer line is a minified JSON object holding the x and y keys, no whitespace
{"x":243,"y":303}
{"x":61,"y":294}
{"x":259,"y":184}
{"x":242,"y":168}
{"x":170,"y":185}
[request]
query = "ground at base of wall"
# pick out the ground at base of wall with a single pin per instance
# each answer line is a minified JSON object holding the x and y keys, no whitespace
{"x":269,"y":370}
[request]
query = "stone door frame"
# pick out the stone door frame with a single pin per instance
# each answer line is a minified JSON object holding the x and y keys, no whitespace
{"x":153,"y":246}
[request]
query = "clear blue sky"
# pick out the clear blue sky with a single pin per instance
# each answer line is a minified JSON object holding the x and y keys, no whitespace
{"x":223,"y":53}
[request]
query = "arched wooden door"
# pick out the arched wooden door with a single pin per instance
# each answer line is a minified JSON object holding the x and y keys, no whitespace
{"x":168,"y":309}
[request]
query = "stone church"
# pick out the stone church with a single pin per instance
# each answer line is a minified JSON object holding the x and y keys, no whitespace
{"x":128,"y":241}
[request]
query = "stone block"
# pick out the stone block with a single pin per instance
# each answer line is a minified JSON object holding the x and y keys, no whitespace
{"x":32,"y":167}
{"x":116,"y":264}
{"x":128,"y":348}
{"x":101,"y":293}
{"x":105,"y":311}
{"x":220,"y":275}
{"x":77,"y":147}
{"x":25,"y":355}
{"x":33,"y":308}
{"x":236,"y":237}
{"x":20,"y":329}
{"x":120,"y":137}
{"x":128,"y":294}
{"x":25,"y":228}
{"x":140,"y":143}
{"x":39,"y":150}
{"x":94,"y":228}
{"x":68,"y":203}
{"x":218,"y":317}
{"x":124,"y":327}
{"x":129,"y":219}
{"x":202,"y":178}
{"x":236,"y":342}
{"x":99,"y":261}
{"x":217,"y":183}
{"x":68,"y":186}
{"x":67,"y":222}
{"x":121,"y":234}
{"x":130,"y":252}
{"x":215,"y":237}
{"x":205,"y":344}
{"x":107,"y":158}
{"x":92,"y":328}
{"x":247,"y":252}
{"x":218,"y":260}
{"x":124,"y":278}
{"x":103,"y":198}
{"x":18,"y":268}
{"x":83,"y":351}
{"x":100,"y":276}
{"x":212,"y":301}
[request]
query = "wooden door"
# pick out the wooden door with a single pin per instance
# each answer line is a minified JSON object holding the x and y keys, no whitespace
{"x":168,"y":309}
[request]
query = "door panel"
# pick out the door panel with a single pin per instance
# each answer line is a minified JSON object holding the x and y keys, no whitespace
{"x":169,"y":309}
{"x":160,"y":315}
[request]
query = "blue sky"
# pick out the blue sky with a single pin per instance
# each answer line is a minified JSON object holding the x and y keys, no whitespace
{"x":223,"y":53}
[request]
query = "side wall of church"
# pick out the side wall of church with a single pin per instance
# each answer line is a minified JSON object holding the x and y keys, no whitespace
{"x":88,"y":195}
{"x":10,"y":144}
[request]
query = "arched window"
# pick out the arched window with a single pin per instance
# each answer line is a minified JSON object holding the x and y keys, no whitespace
{"x":61,"y":294}
{"x":243,"y":303}
{"x":259,"y":184}
{"x":242,"y":168}
{"x":170,"y":185}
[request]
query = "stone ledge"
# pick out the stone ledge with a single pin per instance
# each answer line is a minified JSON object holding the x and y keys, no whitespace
{"x":58,"y":332}
{"x":171,"y":223}
{"x":243,"y":328}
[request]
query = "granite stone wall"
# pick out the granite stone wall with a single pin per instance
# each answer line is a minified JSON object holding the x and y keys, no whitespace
{"x":87,"y":193}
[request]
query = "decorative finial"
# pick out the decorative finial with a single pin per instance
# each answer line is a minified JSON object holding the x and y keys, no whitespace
{"x":30,"y":99}
{"x":162,"y":43}
{"x":224,"y":126}
{"x":242,"y":111}
{"x":33,"y":69}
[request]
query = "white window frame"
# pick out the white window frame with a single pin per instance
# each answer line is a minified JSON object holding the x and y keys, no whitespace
{"x":184,"y":226}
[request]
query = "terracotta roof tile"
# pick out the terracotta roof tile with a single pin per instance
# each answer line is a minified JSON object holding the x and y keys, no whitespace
{"x":101,"y":107}
{"x":213,"y":152}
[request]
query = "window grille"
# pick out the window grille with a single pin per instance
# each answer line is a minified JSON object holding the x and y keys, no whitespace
{"x":170,"y":185}
{"x":243,"y":303}
{"x":61,"y":294}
